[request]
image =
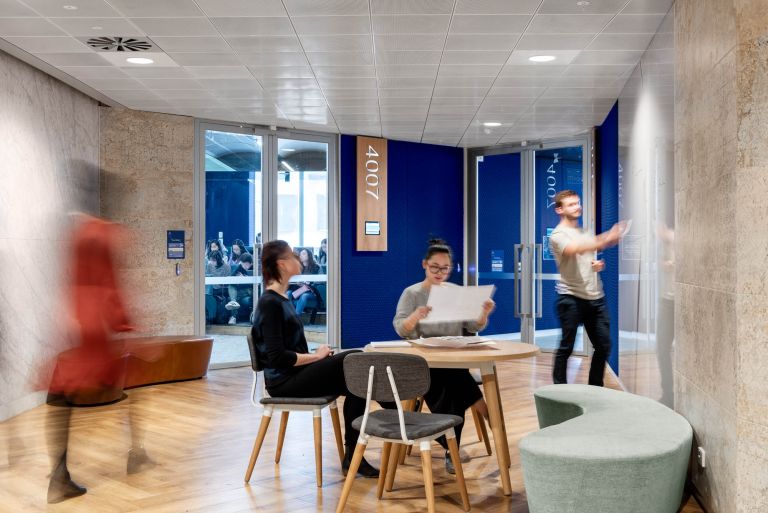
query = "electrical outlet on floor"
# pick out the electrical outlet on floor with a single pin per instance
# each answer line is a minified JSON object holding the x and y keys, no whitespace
{"x":701,"y":456}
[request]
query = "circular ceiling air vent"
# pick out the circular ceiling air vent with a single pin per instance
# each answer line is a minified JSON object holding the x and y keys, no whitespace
{"x":119,"y":44}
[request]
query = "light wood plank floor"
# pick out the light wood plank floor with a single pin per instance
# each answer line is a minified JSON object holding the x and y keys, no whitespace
{"x":200,"y":433}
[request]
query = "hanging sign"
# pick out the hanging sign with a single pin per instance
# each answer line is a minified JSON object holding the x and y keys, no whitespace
{"x":371,"y":194}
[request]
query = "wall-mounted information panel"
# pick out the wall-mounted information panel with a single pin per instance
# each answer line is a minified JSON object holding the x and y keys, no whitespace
{"x":371,"y":194}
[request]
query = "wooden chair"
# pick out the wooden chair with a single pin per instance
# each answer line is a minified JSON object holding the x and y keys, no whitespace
{"x":285,"y":405}
{"x":392,"y":377}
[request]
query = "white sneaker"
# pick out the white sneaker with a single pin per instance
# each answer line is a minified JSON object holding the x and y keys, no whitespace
{"x":232,"y":320}
{"x":232,"y":305}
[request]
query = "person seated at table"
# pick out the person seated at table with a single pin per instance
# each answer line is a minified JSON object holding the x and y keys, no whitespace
{"x":302,"y":294}
{"x":237,"y":251}
{"x":451,"y":390}
{"x":290,"y":370}
{"x":217,"y":268}
{"x":240,"y":295}
{"x":322,"y":256}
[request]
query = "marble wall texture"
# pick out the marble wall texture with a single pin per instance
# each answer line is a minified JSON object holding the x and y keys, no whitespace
{"x":49,"y":160}
{"x":147,"y":163}
{"x":721,"y":161}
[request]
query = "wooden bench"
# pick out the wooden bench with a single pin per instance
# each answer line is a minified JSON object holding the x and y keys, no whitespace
{"x":153,"y":360}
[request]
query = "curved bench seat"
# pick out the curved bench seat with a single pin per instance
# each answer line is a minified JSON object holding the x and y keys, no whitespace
{"x":604,"y":451}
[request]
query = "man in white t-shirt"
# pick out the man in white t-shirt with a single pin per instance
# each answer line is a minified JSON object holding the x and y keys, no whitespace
{"x":581,"y":299}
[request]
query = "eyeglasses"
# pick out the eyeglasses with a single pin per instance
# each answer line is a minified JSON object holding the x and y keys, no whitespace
{"x":436,"y":269}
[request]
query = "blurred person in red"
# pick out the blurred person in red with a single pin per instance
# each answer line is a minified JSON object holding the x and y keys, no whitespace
{"x":96,"y":363}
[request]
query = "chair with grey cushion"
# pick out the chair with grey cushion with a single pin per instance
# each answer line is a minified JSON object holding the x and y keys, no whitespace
{"x":287,"y":405}
{"x":395,"y":377}
{"x":604,"y":451}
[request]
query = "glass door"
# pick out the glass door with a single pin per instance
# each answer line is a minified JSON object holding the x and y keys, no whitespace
{"x":511,"y":215}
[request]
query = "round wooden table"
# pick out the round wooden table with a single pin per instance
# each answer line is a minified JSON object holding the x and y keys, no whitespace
{"x":475,"y":357}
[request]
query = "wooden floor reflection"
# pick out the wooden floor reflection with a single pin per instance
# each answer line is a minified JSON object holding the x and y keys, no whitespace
{"x":200,"y":434}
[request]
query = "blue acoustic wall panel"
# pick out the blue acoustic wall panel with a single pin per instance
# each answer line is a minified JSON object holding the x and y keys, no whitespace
{"x":425,"y":198}
{"x":607,"y":167}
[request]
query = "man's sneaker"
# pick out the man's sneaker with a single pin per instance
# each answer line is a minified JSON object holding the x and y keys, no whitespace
{"x":232,"y":320}
{"x":449,"y":463}
{"x":232,"y":305}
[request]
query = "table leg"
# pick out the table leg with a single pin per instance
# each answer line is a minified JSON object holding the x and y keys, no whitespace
{"x":491,"y":389}
{"x":507,"y":455}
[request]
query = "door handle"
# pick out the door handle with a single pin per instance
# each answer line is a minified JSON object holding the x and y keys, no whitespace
{"x":538,"y":249}
{"x":516,"y":308}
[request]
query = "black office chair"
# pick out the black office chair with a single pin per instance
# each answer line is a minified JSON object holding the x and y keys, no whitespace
{"x":395,"y":377}
{"x":287,"y":405}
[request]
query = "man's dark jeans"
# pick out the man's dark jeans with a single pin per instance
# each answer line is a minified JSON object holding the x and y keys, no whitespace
{"x":593,"y":314}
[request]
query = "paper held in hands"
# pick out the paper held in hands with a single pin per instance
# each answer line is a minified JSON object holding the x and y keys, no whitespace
{"x":457,"y":304}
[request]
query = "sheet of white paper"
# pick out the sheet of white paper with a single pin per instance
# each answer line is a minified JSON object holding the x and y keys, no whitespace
{"x":390,"y":343}
{"x":456,"y":342}
{"x":456,"y":304}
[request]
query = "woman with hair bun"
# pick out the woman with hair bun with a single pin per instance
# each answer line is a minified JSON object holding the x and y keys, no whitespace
{"x":451,"y":390}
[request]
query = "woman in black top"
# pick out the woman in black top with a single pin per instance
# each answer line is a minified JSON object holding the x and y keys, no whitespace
{"x":290,"y":370}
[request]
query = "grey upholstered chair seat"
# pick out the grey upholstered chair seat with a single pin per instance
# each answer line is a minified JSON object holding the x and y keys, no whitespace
{"x":307,"y":401}
{"x":385,"y":424}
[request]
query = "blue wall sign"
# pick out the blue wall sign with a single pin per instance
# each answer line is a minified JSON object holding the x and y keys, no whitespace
{"x":175,"y":244}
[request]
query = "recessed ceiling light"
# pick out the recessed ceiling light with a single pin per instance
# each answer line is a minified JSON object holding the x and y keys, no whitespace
{"x":583,"y":3}
{"x":69,"y":7}
{"x":97,"y":27}
{"x":542,"y":58}
{"x":139,"y":60}
{"x":491,"y":124}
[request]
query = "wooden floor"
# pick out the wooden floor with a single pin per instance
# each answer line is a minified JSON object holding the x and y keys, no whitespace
{"x":200,"y":434}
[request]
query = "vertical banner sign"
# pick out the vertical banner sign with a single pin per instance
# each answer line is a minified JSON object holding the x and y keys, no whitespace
{"x":371,"y":194}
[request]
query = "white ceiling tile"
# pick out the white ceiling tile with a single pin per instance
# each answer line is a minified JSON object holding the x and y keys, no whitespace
{"x":340,"y":58}
{"x":84,"y":72}
{"x":522,"y":57}
{"x":515,"y":92}
{"x":22,"y":27}
{"x":195,"y":103}
{"x":98,"y":26}
{"x":191,"y":44}
{"x":406,"y":92}
{"x":171,"y":83}
{"x":153,"y":8}
{"x":486,"y":57}
{"x":183,"y":94}
{"x":466,"y":81}
{"x":415,"y":57}
{"x":541,"y":42}
{"x":289,"y":83}
{"x":215,"y":8}
{"x":237,"y":94}
{"x":306,"y":102}
{"x":581,"y":92}
{"x":407,"y":70}
{"x":348,"y":83}
{"x":85,"y":9}
{"x":253,"y":26}
{"x":64,"y":44}
{"x":410,"y":42}
{"x":175,"y":26}
{"x":634,"y":24}
{"x":568,"y":23}
{"x":621,"y":42}
{"x":331,"y":25}
{"x":337,"y":43}
{"x":460,"y":92}
{"x":326,"y":7}
{"x":230,"y":83}
{"x":464,"y":70}
{"x":114,"y":84}
{"x":390,"y":82}
{"x":291,"y":59}
{"x":460,"y":102}
{"x":205,"y":59}
{"x":489,"y":23}
{"x":13,"y":9}
{"x":497,"y":6}
{"x":587,"y":81}
{"x":531,"y":69}
{"x":281,"y":71}
{"x":344,"y":71}
{"x":453,"y":109}
{"x":412,"y":24}
{"x":411,"y":7}
{"x":481,"y":42}
{"x":608,"y":57}
{"x":219,"y":72}
{"x":648,"y":7}
{"x":73,"y":59}
{"x":572,"y":7}
{"x":157,"y":72}
{"x":411,"y":103}
{"x":582,"y":70}
{"x":335,"y":94}
{"x":358,"y":103}
{"x":524,"y":81}
{"x":120,"y":59}
{"x":133,"y":95}
{"x":259,"y":44}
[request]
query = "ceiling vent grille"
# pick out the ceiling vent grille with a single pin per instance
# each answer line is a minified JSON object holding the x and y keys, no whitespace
{"x":120,"y":44}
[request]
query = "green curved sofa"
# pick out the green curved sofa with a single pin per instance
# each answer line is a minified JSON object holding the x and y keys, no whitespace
{"x":604,"y":451}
